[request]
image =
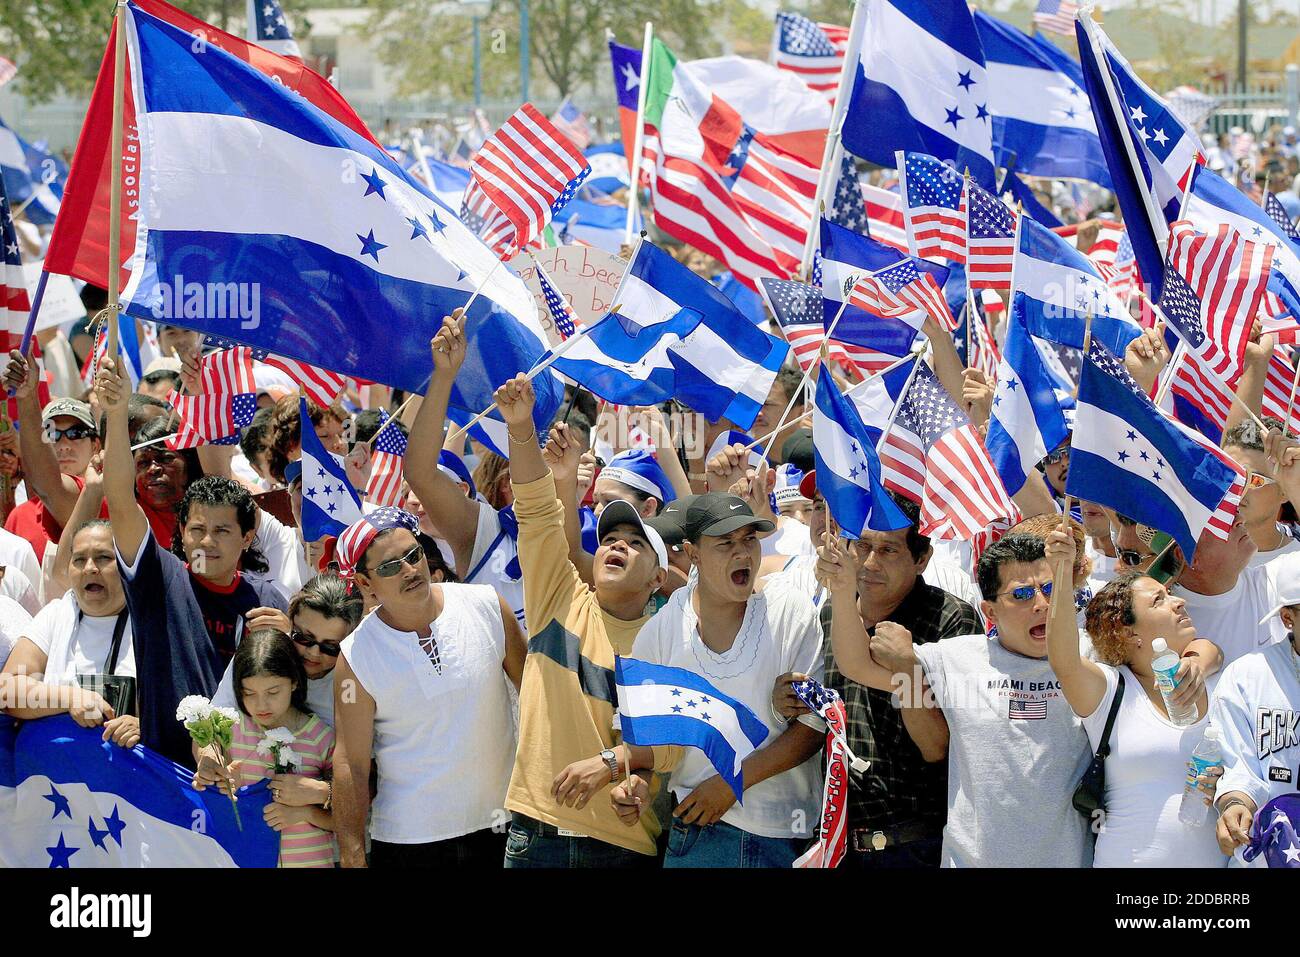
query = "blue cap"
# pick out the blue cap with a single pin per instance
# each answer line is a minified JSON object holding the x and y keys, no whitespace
{"x":454,"y":467}
{"x":292,"y":472}
{"x":638,"y":469}
{"x":788,"y":478}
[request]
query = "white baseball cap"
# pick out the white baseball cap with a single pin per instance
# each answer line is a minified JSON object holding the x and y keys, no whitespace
{"x":1286,"y":584}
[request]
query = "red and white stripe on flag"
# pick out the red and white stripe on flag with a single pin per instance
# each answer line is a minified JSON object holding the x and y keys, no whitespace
{"x":806,"y":340}
{"x":939,"y":232}
{"x":1194,"y":383}
{"x":819,"y":70}
{"x":320,"y":385}
{"x":922,"y":294}
{"x":228,"y":371}
{"x":885,"y":216}
{"x":385,"y":485}
{"x":204,"y":419}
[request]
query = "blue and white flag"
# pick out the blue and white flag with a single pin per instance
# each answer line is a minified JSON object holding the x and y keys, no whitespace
{"x":1016,"y":190}
{"x":629,"y":364}
{"x":921,"y":86}
{"x":70,"y":799}
{"x":660,"y":705}
{"x":600,"y":224}
{"x":848,"y":469}
{"x":1056,"y":288}
{"x":1027,"y":420}
{"x":1128,"y":455}
{"x":846,"y":256}
{"x":329,"y":502}
{"x":609,"y":172}
{"x":303,"y":238}
{"x":727,"y":365}
{"x":33,"y":177}
{"x":1042,"y":122}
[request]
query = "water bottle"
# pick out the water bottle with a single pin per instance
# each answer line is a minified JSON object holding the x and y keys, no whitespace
{"x":1165,"y":665}
{"x":1193,"y":809}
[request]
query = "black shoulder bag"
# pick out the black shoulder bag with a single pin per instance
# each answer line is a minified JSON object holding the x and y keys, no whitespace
{"x":1090,"y":793}
{"x":117,"y":690}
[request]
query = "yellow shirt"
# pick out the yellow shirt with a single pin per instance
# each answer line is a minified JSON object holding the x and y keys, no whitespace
{"x":567,"y":700}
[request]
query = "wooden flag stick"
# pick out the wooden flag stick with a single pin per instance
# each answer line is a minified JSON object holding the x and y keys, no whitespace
{"x":1290,"y":402}
{"x":115,"y":180}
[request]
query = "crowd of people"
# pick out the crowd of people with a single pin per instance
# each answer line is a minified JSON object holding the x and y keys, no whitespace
{"x":445,"y":669}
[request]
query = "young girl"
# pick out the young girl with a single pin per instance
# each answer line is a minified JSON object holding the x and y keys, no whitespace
{"x":271,"y":691}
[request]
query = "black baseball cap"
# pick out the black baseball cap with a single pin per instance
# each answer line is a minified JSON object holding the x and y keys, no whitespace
{"x":717,"y":513}
{"x":669,"y":522}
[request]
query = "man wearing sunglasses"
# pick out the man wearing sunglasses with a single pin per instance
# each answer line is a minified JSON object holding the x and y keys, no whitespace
{"x":993,"y":708}
{"x":1263,"y":497}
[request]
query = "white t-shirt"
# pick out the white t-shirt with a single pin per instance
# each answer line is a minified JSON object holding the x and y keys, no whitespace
{"x":1145,"y":773}
{"x":1232,"y":620}
{"x":320,"y":694}
{"x":78,"y":647}
{"x":797,"y":573}
{"x":14,"y":624}
{"x":1289,"y":546}
{"x":19,"y":587}
{"x":942,"y":573}
{"x":1015,"y":755}
{"x":790,"y":538}
{"x":16,"y":555}
{"x":779,"y":633}
{"x":444,"y":739}
{"x":493,"y":551}
{"x":283,"y":552}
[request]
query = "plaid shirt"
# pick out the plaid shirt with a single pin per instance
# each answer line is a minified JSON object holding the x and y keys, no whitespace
{"x":900,"y":786}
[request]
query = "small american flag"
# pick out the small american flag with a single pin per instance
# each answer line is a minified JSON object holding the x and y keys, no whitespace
{"x":934,"y":208}
{"x":1056,"y":16}
{"x":7,"y":70}
{"x":386,"y":458}
{"x":268,"y":28}
{"x":814,"y":52}
{"x":561,"y":314}
{"x":984,"y":350}
{"x":1195,"y":384}
{"x":1277,"y":212}
{"x":320,"y":385}
{"x":885,"y":217}
{"x":228,"y":371}
{"x":901,"y":290}
{"x":800,"y":316}
{"x":991,"y":233}
{"x":848,"y":207}
{"x":1020,"y":710}
{"x":933,"y":454}
{"x":1212,"y":293}
{"x":14,"y":303}
{"x":211,"y":418}
{"x":528,"y":171}
{"x":572,"y":122}
{"x":1112,"y":254}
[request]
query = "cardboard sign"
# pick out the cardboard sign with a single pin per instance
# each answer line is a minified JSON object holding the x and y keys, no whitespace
{"x":584,"y":275}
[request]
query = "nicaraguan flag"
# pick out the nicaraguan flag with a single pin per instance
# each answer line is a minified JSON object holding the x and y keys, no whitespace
{"x":629,"y":364}
{"x":727,"y":365}
{"x":845,"y":256}
{"x":848,"y":469}
{"x":921,"y":86}
{"x":33,"y":177}
{"x":329,"y":502}
{"x":1055,"y":288}
{"x":1042,"y":121}
{"x":1212,"y":200}
{"x":301,"y":237}
{"x":70,"y":799}
{"x":1129,"y":456}
{"x":1027,"y":420}
{"x":660,"y":705}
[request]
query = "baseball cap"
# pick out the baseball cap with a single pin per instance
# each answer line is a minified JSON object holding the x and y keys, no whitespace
{"x":668,"y":523}
{"x":71,"y":407}
{"x":1286,"y":585}
{"x":625,"y":513}
{"x":454,"y":467}
{"x":798,"y":450}
{"x":808,"y":485}
{"x":717,"y":513}
{"x":788,"y":480}
{"x":639,"y":469}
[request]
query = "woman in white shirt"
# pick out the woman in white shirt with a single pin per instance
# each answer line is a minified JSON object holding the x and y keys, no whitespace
{"x":1147,"y":764}
{"x":86,"y":632}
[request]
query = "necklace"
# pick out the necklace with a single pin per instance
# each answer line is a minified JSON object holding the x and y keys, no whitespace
{"x":1295,"y":660}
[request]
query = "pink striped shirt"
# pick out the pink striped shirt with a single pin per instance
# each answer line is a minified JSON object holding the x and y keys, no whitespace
{"x":305,"y":844}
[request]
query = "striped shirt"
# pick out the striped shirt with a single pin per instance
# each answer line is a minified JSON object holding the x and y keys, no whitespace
{"x":301,"y":845}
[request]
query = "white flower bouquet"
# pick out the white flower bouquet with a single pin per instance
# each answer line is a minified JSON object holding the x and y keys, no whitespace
{"x":210,"y":727}
{"x":279,"y":743}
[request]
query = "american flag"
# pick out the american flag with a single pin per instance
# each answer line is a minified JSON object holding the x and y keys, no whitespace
{"x":814,"y":52}
{"x":572,"y":122}
{"x":934,"y":208}
{"x":268,"y":28}
{"x":900,"y":290}
{"x":227,"y":371}
{"x":211,"y":418}
{"x":1277,"y":212}
{"x":387,"y":455}
{"x":932,"y":446}
{"x":561,"y":314}
{"x":320,"y":385}
{"x":848,"y":208}
{"x":1018,"y":709}
{"x":1112,"y":254}
{"x":1194,"y":383}
{"x":1056,"y":16}
{"x":14,"y":304}
{"x":1212,"y":292}
{"x":528,"y":171}
{"x":7,"y":70}
{"x":800,"y":316}
{"x":990,"y":244}
{"x":885,"y":217}
{"x":984,"y":350}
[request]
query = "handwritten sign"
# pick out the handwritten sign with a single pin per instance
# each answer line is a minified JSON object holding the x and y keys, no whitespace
{"x":584,"y":275}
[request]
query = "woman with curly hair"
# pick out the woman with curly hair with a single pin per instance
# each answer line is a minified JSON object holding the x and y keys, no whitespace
{"x":1147,"y":765}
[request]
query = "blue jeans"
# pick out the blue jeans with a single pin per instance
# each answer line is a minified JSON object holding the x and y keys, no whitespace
{"x":531,"y":843}
{"x":722,"y":845}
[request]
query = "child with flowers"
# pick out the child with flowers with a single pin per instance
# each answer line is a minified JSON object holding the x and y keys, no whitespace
{"x":277,"y":735}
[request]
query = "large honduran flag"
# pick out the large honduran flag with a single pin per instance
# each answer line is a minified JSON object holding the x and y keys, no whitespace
{"x":350,"y":262}
{"x":69,"y":799}
{"x":79,"y":245}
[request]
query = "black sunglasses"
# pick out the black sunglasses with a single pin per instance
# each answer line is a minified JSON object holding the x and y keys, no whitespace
{"x":394,"y":565}
{"x":73,"y":433}
{"x":1130,"y":556}
{"x":330,"y":648}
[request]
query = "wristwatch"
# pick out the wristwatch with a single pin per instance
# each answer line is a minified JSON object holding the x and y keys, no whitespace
{"x":610,"y":758}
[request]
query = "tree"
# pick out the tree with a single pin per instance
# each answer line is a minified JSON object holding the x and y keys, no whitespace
{"x":59,"y":43}
{"x":431,"y":45}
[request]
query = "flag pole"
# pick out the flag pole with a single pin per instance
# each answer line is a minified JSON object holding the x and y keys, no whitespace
{"x":1167,"y":382}
{"x":30,"y":328}
{"x":1290,"y":402}
{"x":638,"y":141}
{"x":417,"y":138}
{"x":115,"y":181}
{"x":970,"y":305}
{"x":831,"y":153}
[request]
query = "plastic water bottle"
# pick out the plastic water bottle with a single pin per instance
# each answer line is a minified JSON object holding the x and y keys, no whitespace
{"x":1165,"y":665}
{"x":1193,"y":809}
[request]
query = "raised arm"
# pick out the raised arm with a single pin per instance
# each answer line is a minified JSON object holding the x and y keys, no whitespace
{"x":948,"y":368}
{"x":457,"y":516}
{"x":849,"y":640}
{"x":40,"y":465}
{"x":1082,"y":681}
{"x":129,"y":523}
{"x":86,"y":510}
{"x":564,"y":458}
{"x":651,"y":419}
